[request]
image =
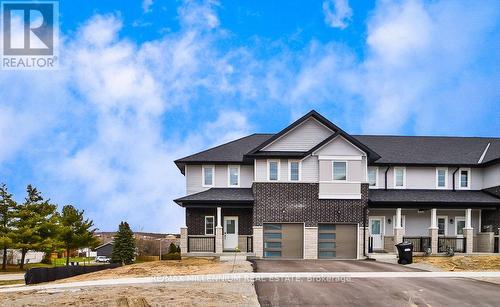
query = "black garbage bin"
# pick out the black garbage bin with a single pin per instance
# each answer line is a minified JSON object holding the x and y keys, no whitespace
{"x":405,"y":251}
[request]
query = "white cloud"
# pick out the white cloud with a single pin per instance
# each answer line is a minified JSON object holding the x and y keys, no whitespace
{"x":337,"y":13}
{"x":146,"y":5}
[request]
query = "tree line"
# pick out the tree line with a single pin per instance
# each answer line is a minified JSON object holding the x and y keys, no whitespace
{"x":35,"y":224}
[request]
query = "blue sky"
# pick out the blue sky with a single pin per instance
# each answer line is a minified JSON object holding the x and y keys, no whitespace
{"x":142,"y":83}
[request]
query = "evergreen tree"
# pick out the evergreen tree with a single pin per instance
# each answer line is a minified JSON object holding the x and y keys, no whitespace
{"x":123,"y":245}
{"x":75,"y":232}
{"x":7,"y":207}
{"x":36,"y":224}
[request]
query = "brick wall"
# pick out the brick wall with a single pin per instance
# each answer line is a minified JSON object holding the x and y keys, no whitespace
{"x":298,"y":202}
{"x":195,"y":219}
{"x":492,"y":217}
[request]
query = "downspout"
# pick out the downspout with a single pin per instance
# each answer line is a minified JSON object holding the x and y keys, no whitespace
{"x":386,"y":176}
{"x":454,"y":178}
{"x":364,"y":231}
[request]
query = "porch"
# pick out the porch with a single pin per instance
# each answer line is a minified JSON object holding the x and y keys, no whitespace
{"x":218,"y":223}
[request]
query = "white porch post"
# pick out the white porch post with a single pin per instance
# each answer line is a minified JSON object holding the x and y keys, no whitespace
{"x":398,"y":229}
{"x":433,"y":232}
{"x":218,"y":232}
{"x":469,"y":232}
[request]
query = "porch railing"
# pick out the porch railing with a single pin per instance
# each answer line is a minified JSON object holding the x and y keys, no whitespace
{"x":457,"y":244}
{"x":495,"y":244}
{"x":201,"y":244}
{"x":249,"y":244}
{"x":420,"y":244}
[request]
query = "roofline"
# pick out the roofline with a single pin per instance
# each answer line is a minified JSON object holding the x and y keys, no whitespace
{"x":323,"y":120}
{"x":429,"y":204}
{"x":375,"y":163}
{"x":216,"y":203}
{"x":428,"y":136}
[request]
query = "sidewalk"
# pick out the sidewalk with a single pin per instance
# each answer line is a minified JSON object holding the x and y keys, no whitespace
{"x":247,"y":277}
{"x":5,"y":277}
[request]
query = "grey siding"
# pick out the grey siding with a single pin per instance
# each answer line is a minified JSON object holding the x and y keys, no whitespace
{"x":301,"y":138}
{"x":194,"y":182}
{"x":491,"y":176}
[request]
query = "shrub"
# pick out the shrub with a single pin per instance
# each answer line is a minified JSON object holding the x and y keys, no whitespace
{"x":179,"y":249}
{"x":172,"y":248}
{"x":172,"y":256}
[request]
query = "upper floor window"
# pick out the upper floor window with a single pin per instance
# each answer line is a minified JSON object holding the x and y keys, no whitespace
{"x":373,"y":176}
{"x":464,"y":178}
{"x":293,"y":171}
{"x":339,"y":170}
{"x":208,"y":175}
{"x":441,"y":178}
{"x":400,"y":177}
{"x":273,"y":170}
{"x":233,"y":172}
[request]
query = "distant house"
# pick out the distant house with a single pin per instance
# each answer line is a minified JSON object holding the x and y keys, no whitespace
{"x":105,"y":249}
{"x":14,"y":256}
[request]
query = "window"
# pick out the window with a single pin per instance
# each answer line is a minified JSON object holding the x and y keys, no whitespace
{"x":373,"y":176}
{"x":339,"y":170}
{"x":273,"y":170}
{"x":399,"y":177}
{"x":208,"y":175}
{"x":464,"y":178}
{"x":209,"y":225}
{"x":233,"y":172}
{"x":293,"y":171}
{"x":442,"y":225}
{"x":441,"y":178}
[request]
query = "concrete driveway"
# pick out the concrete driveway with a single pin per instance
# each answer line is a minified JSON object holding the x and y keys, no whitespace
{"x":372,"y":291}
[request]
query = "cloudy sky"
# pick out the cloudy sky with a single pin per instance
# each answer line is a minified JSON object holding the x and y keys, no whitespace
{"x":142,"y":83}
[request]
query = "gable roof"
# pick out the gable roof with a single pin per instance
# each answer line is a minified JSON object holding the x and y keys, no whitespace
{"x":431,"y":150}
{"x":372,"y":155}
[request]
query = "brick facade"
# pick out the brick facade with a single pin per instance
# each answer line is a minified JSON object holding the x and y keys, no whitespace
{"x":492,"y":217}
{"x":299,"y":202}
{"x":195,"y":219}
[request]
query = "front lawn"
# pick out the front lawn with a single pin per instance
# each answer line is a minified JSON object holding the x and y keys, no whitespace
{"x":55,"y":262}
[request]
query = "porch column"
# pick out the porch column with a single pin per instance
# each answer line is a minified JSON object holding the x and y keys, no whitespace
{"x":184,"y":240}
{"x":469,"y":231}
{"x":218,"y":233}
{"x":398,"y":229}
{"x":433,"y":232}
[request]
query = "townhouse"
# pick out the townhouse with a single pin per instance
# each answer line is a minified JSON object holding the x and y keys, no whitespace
{"x":313,"y":191}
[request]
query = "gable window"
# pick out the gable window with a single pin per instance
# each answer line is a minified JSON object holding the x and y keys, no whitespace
{"x":464,"y":178}
{"x":399,"y":177}
{"x":339,"y":170}
{"x":441,"y":178}
{"x":233,"y":172}
{"x":209,"y":225}
{"x":293,"y":170}
{"x":208,"y":175}
{"x":273,"y":170}
{"x":373,"y":177}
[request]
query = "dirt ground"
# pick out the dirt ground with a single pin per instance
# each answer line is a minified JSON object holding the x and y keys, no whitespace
{"x":462,"y":263}
{"x":164,"y":294}
{"x":186,"y":266}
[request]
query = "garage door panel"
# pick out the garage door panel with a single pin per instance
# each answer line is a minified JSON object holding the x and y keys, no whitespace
{"x":337,"y":241}
{"x":283,"y":240}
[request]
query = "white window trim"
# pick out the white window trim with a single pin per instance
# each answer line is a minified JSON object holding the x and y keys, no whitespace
{"x":456,"y":223}
{"x":203,"y":176}
{"x":376,"y":177}
{"x":445,"y":217}
{"x":404,"y":177}
{"x":229,"y":176}
{"x":213,"y":223}
{"x":268,"y":169}
{"x":346,"y":171}
{"x":445,"y":177}
{"x":290,"y":170}
{"x":469,"y":178}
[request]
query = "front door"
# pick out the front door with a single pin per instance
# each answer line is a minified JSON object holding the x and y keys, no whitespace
{"x":376,"y":224}
{"x":459,"y":231}
{"x":230,"y":232}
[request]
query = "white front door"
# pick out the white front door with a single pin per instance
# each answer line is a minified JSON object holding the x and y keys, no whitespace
{"x":230,"y":232}
{"x":459,"y":231}
{"x":376,"y":232}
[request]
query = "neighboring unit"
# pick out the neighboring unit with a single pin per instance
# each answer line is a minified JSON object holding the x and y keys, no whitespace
{"x":314,"y":191}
